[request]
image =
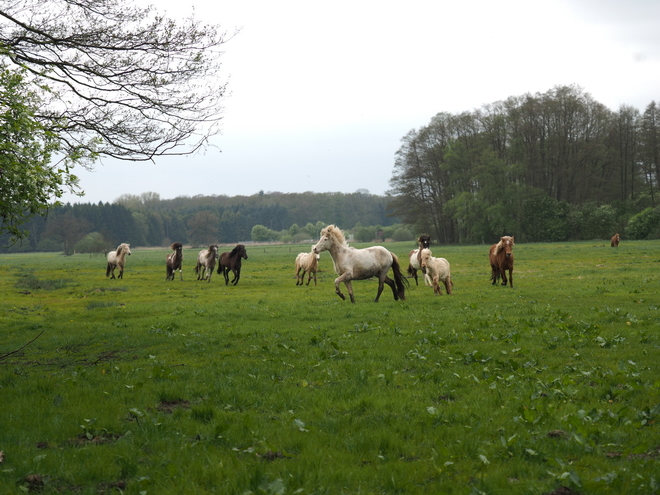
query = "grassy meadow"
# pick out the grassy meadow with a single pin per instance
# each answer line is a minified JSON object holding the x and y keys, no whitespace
{"x":142,"y":386}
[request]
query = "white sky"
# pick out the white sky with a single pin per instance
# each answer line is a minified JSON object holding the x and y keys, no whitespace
{"x":322,"y":93}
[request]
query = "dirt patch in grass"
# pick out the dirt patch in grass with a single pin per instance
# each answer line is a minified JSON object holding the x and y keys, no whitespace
{"x":168,"y":406}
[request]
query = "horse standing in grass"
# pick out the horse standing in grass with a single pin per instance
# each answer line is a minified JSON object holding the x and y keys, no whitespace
{"x":231,"y":261}
{"x":206,"y":262}
{"x":174,"y":261}
{"x":307,"y":263}
{"x":415,"y":258}
{"x":501,"y":260}
{"x":438,"y":270}
{"x":615,"y":241}
{"x":360,"y":264}
{"x":116,"y":259}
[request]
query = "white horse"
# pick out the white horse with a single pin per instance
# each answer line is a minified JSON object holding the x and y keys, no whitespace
{"x":307,"y":263}
{"x":415,"y":260}
{"x":206,"y":260}
{"x":117,"y":259}
{"x":359,"y":264}
{"x":438,"y":270}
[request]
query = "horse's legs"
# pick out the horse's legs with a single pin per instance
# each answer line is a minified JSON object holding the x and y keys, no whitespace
{"x":349,"y":288}
{"x":511,"y":277}
{"x":503,"y":273}
{"x":414,"y":272}
{"x":387,"y":280}
{"x":237,"y":276}
{"x":225,"y":273}
{"x":180,"y":274}
{"x":298,"y":275}
{"x":447,"y":282}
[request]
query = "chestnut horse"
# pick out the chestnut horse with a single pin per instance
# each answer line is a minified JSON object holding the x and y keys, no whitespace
{"x":415,"y":258}
{"x":174,"y":261}
{"x":116,"y":259}
{"x":231,"y":261}
{"x":360,"y":264}
{"x":501,"y":260}
{"x":615,"y":241}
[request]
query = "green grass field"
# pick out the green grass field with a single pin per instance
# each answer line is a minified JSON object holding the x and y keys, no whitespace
{"x":142,"y":386}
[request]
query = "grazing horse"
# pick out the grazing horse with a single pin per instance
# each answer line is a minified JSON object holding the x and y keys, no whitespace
{"x":615,"y":241}
{"x":174,"y":261}
{"x":415,"y":258}
{"x":360,"y":264}
{"x":438,"y":270}
{"x":206,"y":262}
{"x":231,"y":261}
{"x":307,"y":263}
{"x":501,"y":260}
{"x":116,"y":259}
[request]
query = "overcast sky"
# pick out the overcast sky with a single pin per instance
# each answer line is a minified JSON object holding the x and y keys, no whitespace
{"x":322,"y":93}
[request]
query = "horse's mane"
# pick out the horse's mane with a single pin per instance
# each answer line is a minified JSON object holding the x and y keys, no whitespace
{"x":335,"y":232}
{"x":237,"y":249}
{"x":500,"y":245}
{"x":121,"y":248}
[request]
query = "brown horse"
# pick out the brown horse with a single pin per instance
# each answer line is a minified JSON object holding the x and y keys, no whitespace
{"x":501,"y":260}
{"x":615,"y":241}
{"x":231,"y":261}
{"x":415,"y":257}
{"x":174,"y":261}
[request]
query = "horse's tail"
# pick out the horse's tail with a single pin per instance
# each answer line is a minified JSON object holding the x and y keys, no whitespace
{"x":399,"y":280}
{"x":411,"y":271}
{"x":108,"y":270}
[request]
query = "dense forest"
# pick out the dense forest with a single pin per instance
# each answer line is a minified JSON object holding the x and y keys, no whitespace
{"x":545,"y":167}
{"x":148,"y":220}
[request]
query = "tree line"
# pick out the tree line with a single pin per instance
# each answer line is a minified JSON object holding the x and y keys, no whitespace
{"x":550,"y":166}
{"x":148,"y":220}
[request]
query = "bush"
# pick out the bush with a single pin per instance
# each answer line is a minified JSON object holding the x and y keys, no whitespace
{"x":403,"y":234}
{"x":92,"y":243}
{"x":644,"y":225}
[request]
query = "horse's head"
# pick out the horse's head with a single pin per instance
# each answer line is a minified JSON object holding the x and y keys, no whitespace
{"x":424,"y":241}
{"x":213,"y":250}
{"x":240,"y":249}
{"x":329,"y":236}
{"x":177,"y":246}
{"x":425,"y":255}
{"x":507,"y":244}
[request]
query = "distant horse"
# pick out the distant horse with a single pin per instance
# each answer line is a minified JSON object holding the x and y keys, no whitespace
{"x":360,"y":264}
{"x":501,"y":260}
{"x":174,"y":261}
{"x":438,"y":270}
{"x":415,"y":260}
{"x":231,"y":261}
{"x":307,"y":263}
{"x":206,"y":262}
{"x":615,"y":241}
{"x":116,"y":259}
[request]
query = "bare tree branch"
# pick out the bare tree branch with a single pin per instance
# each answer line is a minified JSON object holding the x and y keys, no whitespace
{"x":117,"y":80}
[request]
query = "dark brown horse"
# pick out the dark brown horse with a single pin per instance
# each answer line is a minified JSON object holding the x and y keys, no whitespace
{"x":615,"y":241}
{"x":501,"y":260}
{"x":415,"y":258}
{"x":231,"y":261}
{"x":174,"y":261}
